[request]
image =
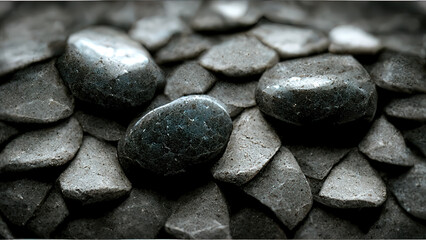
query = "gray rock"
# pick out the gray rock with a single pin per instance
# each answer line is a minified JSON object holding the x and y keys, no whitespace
{"x":315,"y":186}
{"x":283,"y":188}
{"x":20,"y":199}
{"x":291,"y":42}
{"x":178,"y":136}
{"x":353,"y":183}
{"x":405,"y":43}
{"x":252,"y":145}
{"x":417,"y":137}
{"x":95,"y":174}
{"x":50,"y":147}
{"x":183,"y":9}
{"x":201,"y":214}
{"x":385,"y":143}
{"x":35,"y":95}
{"x":101,"y":128}
{"x":288,"y":12}
{"x":349,"y":39}
{"x":105,"y":67}
{"x":325,"y":89}
{"x":6,"y":132}
{"x":413,"y":108}
{"x":239,"y":57}
{"x":5,"y":232}
{"x":187,"y":79}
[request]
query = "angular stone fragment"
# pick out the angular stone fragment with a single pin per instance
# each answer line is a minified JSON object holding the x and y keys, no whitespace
{"x":105,"y":67}
{"x":178,"y":136}
{"x":5,"y":232}
{"x":95,"y":174}
{"x":413,"y":108}
{"x":50,"y":147}
{"x":101,"y":128}
{"x":201,"y":214}
{"x":239,"y":57}
{"x":384,"y":143}
{"x":417,"y":137}
{"x":35,"y":95}
{"x":350,"y":39}
{"x":252,"y":144}
{"x":325,"y":89}
{"x":289,"y":41}
{"x":283,"y":188}
{"x":6,"y":132}
{"x":353,"y":183}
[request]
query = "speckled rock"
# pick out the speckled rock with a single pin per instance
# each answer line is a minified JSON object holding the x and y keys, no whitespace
{"x":283,"y":188}
{"x":239,"y":57}
{"x":201,"y":214}
{"x":101,"y":128}
{"x":353,"y":183}
{"x":5,"y":232}
{"x":178,"y":136}
{"x":6,"y":132}
{"x":105,"y":67}
{"x":325,"y":89}
{"x":413,"y":108}
{"x":50,"y":147}
{"x":35,"y":95}
{"x":252,"y":145}
{"x":95,"y":174}
{"x":417,"y":137}
{"x":289,"y":41}
{"x":350,"y":39}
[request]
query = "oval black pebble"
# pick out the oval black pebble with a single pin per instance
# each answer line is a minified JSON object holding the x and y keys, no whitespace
{"x":176,"y":137}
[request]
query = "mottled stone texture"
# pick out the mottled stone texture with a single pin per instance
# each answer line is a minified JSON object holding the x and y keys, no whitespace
{"x":417,"y":137}
{"x":6,"y":132}
{"x":101,"y":128}
{"x":412,"y":108}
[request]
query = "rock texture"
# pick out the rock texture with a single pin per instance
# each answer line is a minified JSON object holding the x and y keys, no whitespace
{"x":101,"y":128}
{"x":417,"y":137}
{"x":350,"y":39}
{"x":412,"y":108}
{"x":6,"y":132}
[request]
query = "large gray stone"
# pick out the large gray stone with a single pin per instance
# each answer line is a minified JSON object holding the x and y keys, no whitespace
{"x":252,"y":145}
{"x":101,"y":128}
{"x":417,"y":137}
{"x":349,"y":39}
{"x":6,"y":132}
{"x":413,"y":108}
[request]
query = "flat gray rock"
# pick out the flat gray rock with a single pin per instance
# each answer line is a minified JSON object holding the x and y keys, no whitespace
{"x":95,"y":174}
{"x":353,"y":183}
{"x":325,"y":89}
{"x":50,"y":147}
{"x":289,"y":41}
{"x":6,"y":132}
{"x":5,"y":232}
{"x":35,"y":95}
{"x":349,"y":39}
{"x":417,"y":137}
{"x":187,"y":79}
{"x":104,"y":66}
{"x":283,"y":188}
{"x":201,"y":214}
{"x":413,"y":108}
{"x":101,"y":128}
{"x":385,"y":143}
{"x":239,"y":57}
{"x":252,"y":145}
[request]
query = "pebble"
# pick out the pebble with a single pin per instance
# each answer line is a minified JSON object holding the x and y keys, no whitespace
{"x":5,"y":232}
{"x":353,"y":183}
{"x":6,"y":132}
{"x":239,"y":57}
{"x":49,"y":147}
{"x":417,"y":137}
{"x":201,"y":214}
{"x":412,"y":108}
{"x":187,"y":79}
{"x":99,"y":127}
{"x":283,"y":188}
{"x":95,"y":174}
{"x":105,"y":67}
{"x":252,"y":145}
{"x":349,"y":39}
{"x":172,"y":139}
{"x":289,"y":41}
{"x":35,"y":95}
{"x":385,"y":143}
{"x":325,"y":89}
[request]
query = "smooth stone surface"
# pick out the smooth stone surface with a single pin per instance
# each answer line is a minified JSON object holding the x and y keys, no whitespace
{"x":239,"y":57}
{"x":20,"y":199}
{"x":385,"y":143}
{"x":417,"y":137}
{"x":252,"y":145}
{"x":35,"y":95}
{"x":105,"y":67}
{"x":5,"y":232}
{"x":95,"y":174}
{"x":6,"y":132}
{"x":326,"y":89}
{"x":187,"y":79}
{"x":177,"y":137}
{"x":201,"y":214}
{"x":348,"y":39}
{"x":283,"y":188}
{"x":50,"y":147}
{"x":289,"y":41}
{"x":413,"y":108}
{"x":353,"y":183}
{"x":101,"y":128}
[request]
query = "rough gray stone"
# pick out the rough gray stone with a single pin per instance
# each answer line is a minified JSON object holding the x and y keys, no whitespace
{"x":349,"y":39}
{"x":101,"y":128}
{"x":95,"y":174}
{"x":201,"y":214}
{"x":413,"y":108}
{"x":178,"y":136}
{"x":239,"y":57}
{"x":353,"y":183}
{"x":6,"y":132}
{"x":283,"y":188}
{"x":417,"y":137}
{"x":105,"y":67}
{"x":5,"y":232}
{"x":35,"y":95}
{"x":50,"y":147}
{"x":252,"y":145}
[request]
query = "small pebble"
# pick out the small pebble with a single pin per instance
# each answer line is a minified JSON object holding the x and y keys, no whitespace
{"x":101,"y":128}
{"x":417,"y":137}
{"x":6,"y":132}
{"x":412,"y":108}
{"x":348,"y":39}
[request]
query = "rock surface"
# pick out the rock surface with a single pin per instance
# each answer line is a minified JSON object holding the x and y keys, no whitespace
{"x":101,"y":128}
{"x":413,"y":108}
{"x":6,"y":132}
{"x":350,"y":39}
{"x":417,"y":137}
